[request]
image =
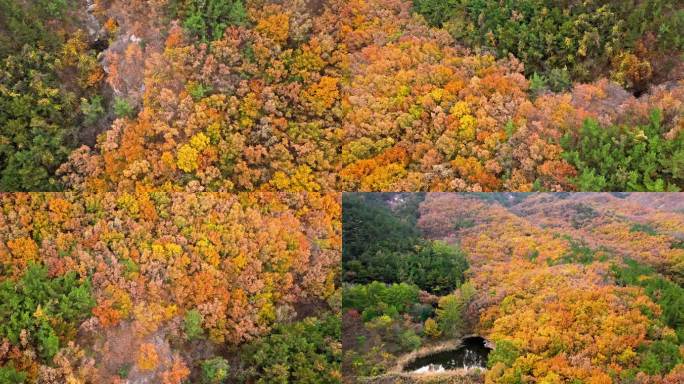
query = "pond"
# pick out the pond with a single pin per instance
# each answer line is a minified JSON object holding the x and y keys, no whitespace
{"x":472,"y":353}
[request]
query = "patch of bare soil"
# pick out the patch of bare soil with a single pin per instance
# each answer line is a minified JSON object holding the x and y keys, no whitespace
{"x":308,"y":309}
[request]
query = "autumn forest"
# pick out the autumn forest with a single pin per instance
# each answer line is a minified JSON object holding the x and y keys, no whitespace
{"x":341,"y":191}
{"x":333,"y":95}
{"x":169,"y":288}
{"x":557,"y":288}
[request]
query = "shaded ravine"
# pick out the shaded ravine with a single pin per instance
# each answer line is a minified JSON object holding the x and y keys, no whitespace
{"x":87,"y":134}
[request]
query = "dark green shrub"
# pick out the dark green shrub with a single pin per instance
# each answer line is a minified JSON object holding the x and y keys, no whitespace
{"x":620,"y":158}
{"x":9,"y":375}
{"x":409,"y":341}
{"x":215,"y":370}
{"x":422,"y":312}
{"x":377,"y":299}
{"x":560,"y":40}
{"x":538,"y":84}
{"x":580,"y":253}
{"x":645,"y":228}
{"x":505,"y":352}
{"x":64,"y":302}
{"x":122,"y":108}
{"x":306,"y":352}
{"x":92,"y":109}
{"x":660,"y":357}
{"x":208,"y":19}
{"x":124,"y":371}
{"x":193,"y":325}
{"x":451,"y":309}
{"x":677,"y":244}
{"x":198,"y":91}
{"x":436,"y":12}
{"x":559,"y":79}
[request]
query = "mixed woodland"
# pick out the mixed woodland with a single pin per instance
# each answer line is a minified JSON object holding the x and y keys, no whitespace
{"x":569,"y":288}
{"x":172,"y":168}
{"x":323,"y":95}
{"x":169,"y":288}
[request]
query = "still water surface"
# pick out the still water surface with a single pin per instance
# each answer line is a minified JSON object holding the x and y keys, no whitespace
{"x":471,"y":354}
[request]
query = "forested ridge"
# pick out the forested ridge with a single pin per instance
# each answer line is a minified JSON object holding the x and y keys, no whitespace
{"x":341,"y":95}
{"x":569,"y":288}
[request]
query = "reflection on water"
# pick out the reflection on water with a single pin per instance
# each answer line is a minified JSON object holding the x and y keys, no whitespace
{"x":472,"y":354}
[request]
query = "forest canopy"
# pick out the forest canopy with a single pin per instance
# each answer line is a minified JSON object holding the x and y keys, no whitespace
{"x":169,"y":287}
{"x":362,"y":95}
{"x":564,"y":288}
{"x":566,"y":41}
{"x":379,"y":246}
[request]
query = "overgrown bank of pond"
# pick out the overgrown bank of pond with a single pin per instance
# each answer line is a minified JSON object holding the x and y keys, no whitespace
{"x":456,"y":361}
